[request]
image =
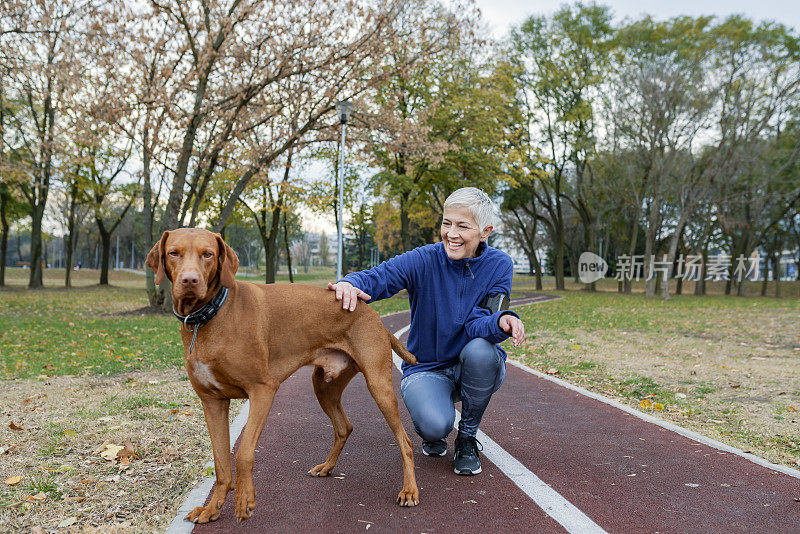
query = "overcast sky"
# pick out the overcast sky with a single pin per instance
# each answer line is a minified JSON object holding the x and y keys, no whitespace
{"x":502,"y":14}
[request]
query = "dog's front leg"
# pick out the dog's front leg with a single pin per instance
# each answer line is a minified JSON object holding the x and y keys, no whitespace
{"x":216,"y":412}
{"x":260,"y":403}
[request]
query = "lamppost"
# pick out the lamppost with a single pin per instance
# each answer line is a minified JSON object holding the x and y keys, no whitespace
{"x":343,"y":110}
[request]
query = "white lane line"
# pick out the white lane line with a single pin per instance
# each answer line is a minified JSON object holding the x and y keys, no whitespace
{"x":197,"y":497}
{"x":548,"y":499}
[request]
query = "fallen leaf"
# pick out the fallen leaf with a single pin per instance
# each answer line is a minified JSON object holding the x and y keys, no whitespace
{"x":13,"y":426}
{"x":552,"y":371}
{"x":658,"y":406}
{"x":124,"y":463}
{"x":68,"y":522}
{"x":13,"y":481}
{"x":792,"y":409}
{"x":127,"y":451}
{"x":111,"y":452}
{"x":103,"y":446}
{"x":38,"y":497}
{"x":645,"y":403}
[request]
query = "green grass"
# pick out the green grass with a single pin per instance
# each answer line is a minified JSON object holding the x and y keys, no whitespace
{"x":75,"y":344}
{"x":90,"y":329}
{"x":703,"y":316}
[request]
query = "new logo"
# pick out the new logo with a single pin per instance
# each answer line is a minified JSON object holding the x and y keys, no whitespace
{"x":591,"y":267}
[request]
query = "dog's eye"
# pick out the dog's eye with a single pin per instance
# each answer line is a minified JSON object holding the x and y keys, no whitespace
{"x":207,"y":255}
{"x":174,"y":254}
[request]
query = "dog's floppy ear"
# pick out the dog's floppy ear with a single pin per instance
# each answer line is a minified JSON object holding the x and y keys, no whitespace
{"x":155,"y":258}
{"x":228,"y":263}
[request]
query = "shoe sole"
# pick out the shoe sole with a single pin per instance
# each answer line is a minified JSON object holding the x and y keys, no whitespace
{"x":467,"y":472}
{"x":444,"y":452}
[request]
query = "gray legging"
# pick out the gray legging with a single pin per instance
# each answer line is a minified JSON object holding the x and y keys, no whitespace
{"x":430,"y":395}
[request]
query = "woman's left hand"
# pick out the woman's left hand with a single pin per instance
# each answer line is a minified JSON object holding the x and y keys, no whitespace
{"x":513,"y":325}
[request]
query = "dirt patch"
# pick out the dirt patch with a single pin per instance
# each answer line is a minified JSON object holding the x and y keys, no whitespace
{"x":61,"y":428}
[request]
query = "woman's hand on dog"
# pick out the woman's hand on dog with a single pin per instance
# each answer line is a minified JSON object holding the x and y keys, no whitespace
{"x":348,"y":294}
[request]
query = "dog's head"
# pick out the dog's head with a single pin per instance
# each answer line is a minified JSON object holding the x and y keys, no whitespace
{"x":197,"y":262}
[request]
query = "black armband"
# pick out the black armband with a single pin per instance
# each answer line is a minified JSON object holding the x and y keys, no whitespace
{"x":495,"y":302}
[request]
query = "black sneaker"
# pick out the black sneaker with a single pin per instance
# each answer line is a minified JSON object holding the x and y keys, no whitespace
{"x":465,"y":458}
{"x":434,"y":448}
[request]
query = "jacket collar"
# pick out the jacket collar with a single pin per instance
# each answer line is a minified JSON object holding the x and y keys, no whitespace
{"x":482,"y":246}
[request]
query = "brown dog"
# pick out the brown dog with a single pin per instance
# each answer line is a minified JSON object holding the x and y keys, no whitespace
{"x":259,"y":336}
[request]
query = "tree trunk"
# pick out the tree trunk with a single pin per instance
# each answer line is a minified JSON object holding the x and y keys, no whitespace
{"x":673,"y":249}
{"x":649,"y":245}
{"x":37,"y":213}
{"x":679,"y":284}
{"x":270,"y":246}
{"x":105,"y":240}
{"x":4,"y":229}
{"x":588,"y":238}
{"x":628,"y":285}
{"x":405,"y":223}
{"x":700,"y":285}
{"x":70,"y":236}
{"x":559,"y":266}
{"x":740,"y":290}
{"x":288,"y":251}
{"x":155,"y":295}
{"x":776,"y":270}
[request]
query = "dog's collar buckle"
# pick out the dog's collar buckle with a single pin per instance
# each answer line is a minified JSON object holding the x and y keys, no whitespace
{"x":203,"y":315}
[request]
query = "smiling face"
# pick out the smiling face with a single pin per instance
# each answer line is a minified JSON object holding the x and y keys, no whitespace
{"x":461,"y":234}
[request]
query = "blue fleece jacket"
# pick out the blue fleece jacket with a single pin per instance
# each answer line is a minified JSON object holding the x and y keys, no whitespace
{"x":444,"y":297}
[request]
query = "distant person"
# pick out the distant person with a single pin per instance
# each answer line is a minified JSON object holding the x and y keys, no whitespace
{"x":458,"y":290}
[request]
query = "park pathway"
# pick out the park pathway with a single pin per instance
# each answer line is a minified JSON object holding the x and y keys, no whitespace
{"x":557,"y":458}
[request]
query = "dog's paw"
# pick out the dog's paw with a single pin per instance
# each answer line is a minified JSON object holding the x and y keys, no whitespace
{"x":203,"y":514}
{"x":408,"y":497}
{"x":245,"y":503}
{"x":321,"y":470}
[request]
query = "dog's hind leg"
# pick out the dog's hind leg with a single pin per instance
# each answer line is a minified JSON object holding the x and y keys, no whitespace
{"x":379,"y":383}
{"x":329,"y":394}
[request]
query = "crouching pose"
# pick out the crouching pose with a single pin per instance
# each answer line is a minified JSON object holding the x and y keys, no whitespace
{"x":458,"y":291}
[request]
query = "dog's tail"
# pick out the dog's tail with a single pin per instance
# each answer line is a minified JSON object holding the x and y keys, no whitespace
{"x":401,"y":351}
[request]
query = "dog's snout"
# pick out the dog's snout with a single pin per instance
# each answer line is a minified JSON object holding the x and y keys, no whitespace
{"x":190,"y":279}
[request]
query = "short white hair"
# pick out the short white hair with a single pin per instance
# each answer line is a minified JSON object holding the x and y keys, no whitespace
{"x":476,"y":201}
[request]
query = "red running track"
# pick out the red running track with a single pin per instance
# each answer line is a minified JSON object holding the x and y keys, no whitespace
{"x":624,"y":473}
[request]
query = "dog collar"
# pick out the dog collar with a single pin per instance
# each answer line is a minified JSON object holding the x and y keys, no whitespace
{"x":203,"y":315}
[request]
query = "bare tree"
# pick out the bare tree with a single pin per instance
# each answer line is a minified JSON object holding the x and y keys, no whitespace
{"x":44,"y":73}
